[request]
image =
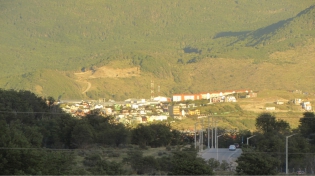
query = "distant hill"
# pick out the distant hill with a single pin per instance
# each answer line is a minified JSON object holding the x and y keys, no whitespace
{"x":184,"y":46}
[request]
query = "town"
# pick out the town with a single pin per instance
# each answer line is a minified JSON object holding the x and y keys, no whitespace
{"x":134,"y":111}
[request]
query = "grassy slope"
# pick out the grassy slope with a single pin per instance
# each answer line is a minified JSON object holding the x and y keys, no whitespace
{"x":42,"y":81}
{"x":69,"y":35}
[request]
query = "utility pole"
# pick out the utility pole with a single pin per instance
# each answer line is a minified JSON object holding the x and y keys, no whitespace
{"x":212,"y":134}
{"x":201,"y":148}
{"x":208,"y":132}
{"x":196,"y":135}
{"x":249,"y":138}
{"x":217,"y":146}
{"x":286,"y":153}
{"x":216,"y":133}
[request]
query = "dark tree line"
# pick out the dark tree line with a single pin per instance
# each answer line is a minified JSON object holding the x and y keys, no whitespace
{"x":266,"y":153}
{"x":34,"y":131}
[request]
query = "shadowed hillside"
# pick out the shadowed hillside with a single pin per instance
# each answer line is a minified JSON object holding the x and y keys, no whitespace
{"x":284,"y":34}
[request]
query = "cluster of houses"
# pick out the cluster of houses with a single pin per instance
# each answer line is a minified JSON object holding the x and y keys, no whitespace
{"x":155,"y":109}
{"x":305,"y":105}
{"x":131,"y":110}
{"x":159,"y":108}
{"x":214,"y":97}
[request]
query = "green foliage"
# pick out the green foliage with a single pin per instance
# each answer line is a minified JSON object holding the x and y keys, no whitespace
{"x":98,"y":166}
{"x":267,"y":123}
{"x":256,"y":164}
{"x":82,"y":134}
{"x":213,"y":163}
{"x":154,"y":135}
{"x":187,"y":163}
{"x":270,"y":144}
{"x":307,"y":126}
{"x":224,"y":165}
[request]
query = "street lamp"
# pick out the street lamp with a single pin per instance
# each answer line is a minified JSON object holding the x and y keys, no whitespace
{"x":249,"y":138}
{"x":201,"y":134}
{"x":218,"y":145}
{"x":196,"y":135}
{"x":208,"y":133}
{"x":286,"y":153}
{"x":212,"y":134}
{"x":215,"y":133}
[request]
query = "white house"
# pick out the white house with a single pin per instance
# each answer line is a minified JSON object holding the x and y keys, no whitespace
{"x":230,"y":99}
{"x":270,"y":108}
{"x":98,"y":107}
{"x":108,"y":111}
{"x":160,"y":99}
{"x":134,"y":106}
{"x":160,"y":118}
{"x":307,"y":106}
{"x":297,"y":101}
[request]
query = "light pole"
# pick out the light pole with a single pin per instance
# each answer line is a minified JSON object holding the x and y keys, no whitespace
{"x":286,"y":153}
{"x":216,"y":133}
{"x":212,"y":134}
{"x":201,"y":134}
{"x":249,"y":138}
{"x":209,"y":132}
{"x":196,"y":135}
{"x":217,"y":145}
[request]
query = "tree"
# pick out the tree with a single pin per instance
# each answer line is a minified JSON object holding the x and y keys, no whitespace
{"x":256,"y":163}
{"x":213,"y":163}
{"x":147,"y":165}
{"x":267,"y":123}
{"x":119,"y":134}
{"x":104,"y":167}
{"x":224,"y":165}
{"x":164,"y":163}
{"x":24,"y":154}
{"x":141,"y":164}
{"x":187,"y":163}
{"x":162,"y":135}
{"x":82,"y":134}
{"x":307,"y":126}
{"x":142,"y":135}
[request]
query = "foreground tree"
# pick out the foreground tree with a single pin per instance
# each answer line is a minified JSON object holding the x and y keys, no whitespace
{"x":266,"y":123}
{"x":255,"y":163}
{"x":307,"y":126}
{"x":187,"y":163}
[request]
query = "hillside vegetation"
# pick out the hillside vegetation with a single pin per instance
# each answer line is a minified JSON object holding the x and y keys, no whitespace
{"x":184,"y":46}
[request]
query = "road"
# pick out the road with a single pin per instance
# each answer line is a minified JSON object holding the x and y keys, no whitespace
{"x":222,"y":154}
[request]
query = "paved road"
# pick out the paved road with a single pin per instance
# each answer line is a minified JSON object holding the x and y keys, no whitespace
{"x":222,"y":154}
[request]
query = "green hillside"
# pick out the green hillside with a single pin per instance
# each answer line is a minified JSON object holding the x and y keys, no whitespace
{"x":185,"y":46}
{"x":42,"y":81}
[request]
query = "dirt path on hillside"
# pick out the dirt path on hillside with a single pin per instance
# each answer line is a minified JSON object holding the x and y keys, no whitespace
{"x":105,"y":72}
{"x":88,"y":88}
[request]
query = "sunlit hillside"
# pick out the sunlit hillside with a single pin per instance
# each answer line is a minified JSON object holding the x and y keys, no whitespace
{"x":184,"y":46}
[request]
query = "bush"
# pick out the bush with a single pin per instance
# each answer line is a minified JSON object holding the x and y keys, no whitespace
{"x":113,"y":154}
